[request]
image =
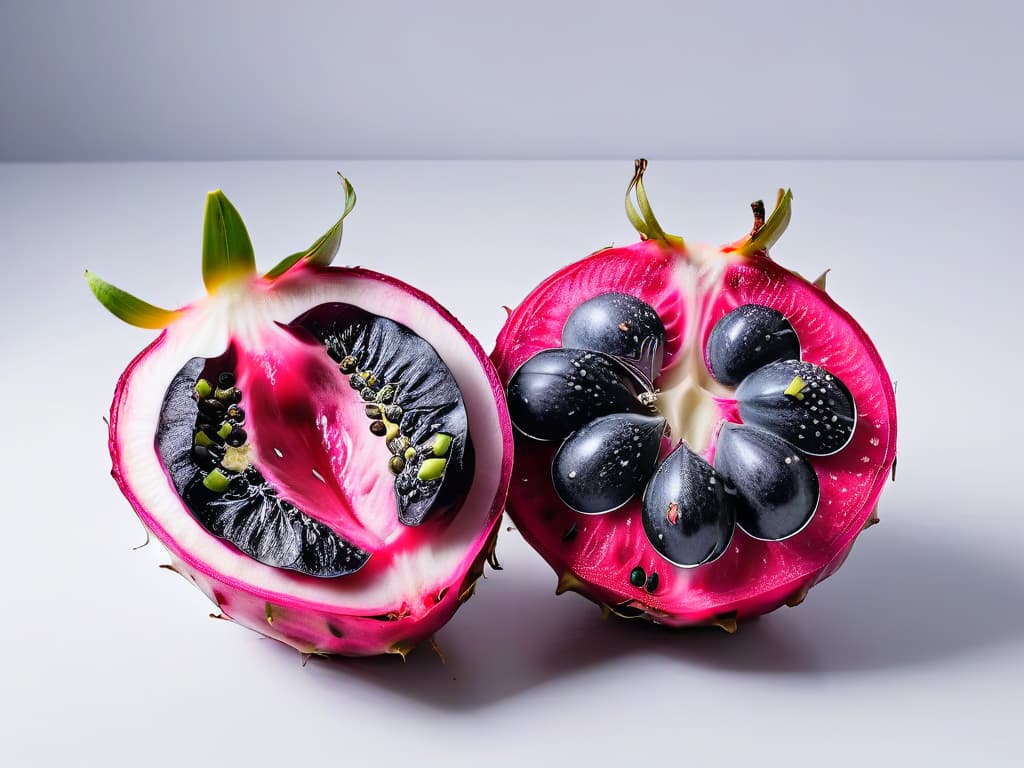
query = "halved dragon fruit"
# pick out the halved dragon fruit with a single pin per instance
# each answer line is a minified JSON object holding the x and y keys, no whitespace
{"x":323,"y":451}
{"x":701,"y":434}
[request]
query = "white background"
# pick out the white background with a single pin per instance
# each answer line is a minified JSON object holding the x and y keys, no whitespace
{"x":237,"y":79}
{"x":912,"y":653}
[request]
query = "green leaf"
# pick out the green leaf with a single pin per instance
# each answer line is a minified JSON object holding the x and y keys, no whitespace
{"x":324,"y":250}
{"x":227,"y":250}
{"x":130,"y":309}
{"x":773,"y":228}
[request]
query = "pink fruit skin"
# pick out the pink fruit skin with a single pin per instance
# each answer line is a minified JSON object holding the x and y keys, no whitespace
{"x":324,"y":629}
{"x":753,"y":577}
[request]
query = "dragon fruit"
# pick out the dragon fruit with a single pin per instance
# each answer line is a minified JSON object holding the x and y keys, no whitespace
{"x":701,"y":434}
{"x":323,"y":451}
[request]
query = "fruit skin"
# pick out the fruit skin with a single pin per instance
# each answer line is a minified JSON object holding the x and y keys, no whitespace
{"x":597,"y":559}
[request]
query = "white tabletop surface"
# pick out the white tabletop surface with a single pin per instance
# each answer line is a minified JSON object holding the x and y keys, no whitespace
{"x":914,"y":651}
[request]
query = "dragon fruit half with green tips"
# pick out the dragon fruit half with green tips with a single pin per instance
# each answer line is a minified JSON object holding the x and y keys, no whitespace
{"x":323,"y":451}
{"x":701,"y":434}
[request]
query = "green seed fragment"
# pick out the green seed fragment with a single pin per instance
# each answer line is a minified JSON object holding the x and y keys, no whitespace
{"x":410,"y":454}
{"x":203,"y":439}
{"x":442,"y":443}
{"x":216,"y":481}
{"x":431,"y":469}
{"x":203,"y":389}
{"x":225,"y":395}
{"x":225,"y":430}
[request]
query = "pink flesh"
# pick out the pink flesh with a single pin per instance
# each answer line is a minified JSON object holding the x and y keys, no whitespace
{"x":341,"y":626}
{"x":300,"y":405}
{"x":753,"y":576}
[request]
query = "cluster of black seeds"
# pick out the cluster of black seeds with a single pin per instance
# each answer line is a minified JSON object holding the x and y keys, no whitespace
{"x":597,"y":400}
{"x":218,"y":429}
{"x":202,"y":442}
{"x":411,"y":401}
{"x":426,"y":462}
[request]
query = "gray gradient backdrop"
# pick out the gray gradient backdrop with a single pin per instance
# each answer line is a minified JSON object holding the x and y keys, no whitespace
{"x":912,"y":654}
{"x":198,"y":80}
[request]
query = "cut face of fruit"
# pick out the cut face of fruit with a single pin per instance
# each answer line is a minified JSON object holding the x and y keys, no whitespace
{"x":323,"y":451}
{"x":779,"y":426}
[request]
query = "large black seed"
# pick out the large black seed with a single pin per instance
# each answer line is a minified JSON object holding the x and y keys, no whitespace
{"x":559,"y":390}
{"x":607,"y":462}
{"x":801,"y":403}
{"x":776,"y":487}
{"x":249,"y":515}
{"x":747,"y":338}
{"x":411,"y":376}
{"x":621,"y":325}
{"x":688,"y":514}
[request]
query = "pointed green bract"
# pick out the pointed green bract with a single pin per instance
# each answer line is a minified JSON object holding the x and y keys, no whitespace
{"x":773,"y":228}
{"x":130,"y":309}
{"x":324,"y":250}
{"x":227,"y":250}
{"x":644,"y":220}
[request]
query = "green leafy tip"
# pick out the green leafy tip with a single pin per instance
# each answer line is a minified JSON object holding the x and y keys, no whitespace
{"x":765,"y":236}
{"x":227,"y":250}
{"x":324,"y":250}
{"x":128,"y":308}
{"x":644,"y":220}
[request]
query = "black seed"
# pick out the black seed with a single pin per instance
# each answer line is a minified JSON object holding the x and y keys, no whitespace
{"x":559,"y":390}
{"x":372,"y":411}
{"x":618,"y":324}
{"x":236,"y":414}
{"x":238,"y":485}
{"x":226,"y":380}
{"x":818,"y":415}
{"x":652,"y":582}
{"x":348,"y":364}
{"x":356,"y":382}
{"x":212,"y":408}
{"x":688,"y":516}
{"x":368,"y":394}
{"x":236,"y":437}
{"x":746,"y":339}
{"x":387,"y":393}
{"x":398,"y":445}
{"x":378,"y":428}
{"x":607,"y":462}
{"x":637,"y":577}
{"x":202,"y":457}
{"x":393,"y":413}
{"x":776,"y":488}
{"x":396,"y":464}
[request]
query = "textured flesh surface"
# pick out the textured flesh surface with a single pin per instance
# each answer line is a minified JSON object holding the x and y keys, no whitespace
{"x":417,"y":576}
{"x":691,"y":291}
